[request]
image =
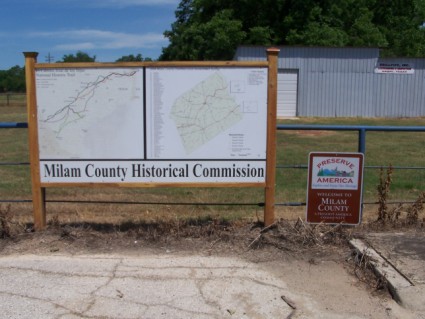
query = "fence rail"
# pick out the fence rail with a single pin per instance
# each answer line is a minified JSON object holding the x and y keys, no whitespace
{"x":13,"y":125}
{"x":362,"y":132}
{"x":361,"y":129}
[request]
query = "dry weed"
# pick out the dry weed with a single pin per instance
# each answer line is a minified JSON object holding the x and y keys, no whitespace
{"x":364,"y":271}
{"x":401,"y":214}
{"x":181,"y":228}
{"x":5,"y":220}
{"x":404,"y":215}
{"x":412,"y":216}
{"x":8,"y":226}
{"x":384,"y":215}
{"x":54,"y":221}
{"x":291,"y":236}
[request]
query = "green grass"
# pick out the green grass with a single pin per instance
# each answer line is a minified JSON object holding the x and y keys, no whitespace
{"x":12,"y":99}
{"x":13,"y":114}
{"x":382,"y":149}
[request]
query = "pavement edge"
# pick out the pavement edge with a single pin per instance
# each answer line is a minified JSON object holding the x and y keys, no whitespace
{"x":402,"y":290}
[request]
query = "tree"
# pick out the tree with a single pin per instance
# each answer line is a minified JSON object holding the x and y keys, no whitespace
{"x":12,"y":80}
{"x":209,"y":40}
{"x":132,"y":58}
{"x":212,"y":29}
{"x":78,"y":57}
{"x":404,"y":21}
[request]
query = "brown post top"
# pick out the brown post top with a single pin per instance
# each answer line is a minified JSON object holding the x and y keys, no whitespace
{"x":31,"y":54}
{"x":273,"y":50}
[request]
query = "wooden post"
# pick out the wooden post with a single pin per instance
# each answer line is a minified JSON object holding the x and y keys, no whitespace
{"x":269,"y":214}
{"x":38,"y":193}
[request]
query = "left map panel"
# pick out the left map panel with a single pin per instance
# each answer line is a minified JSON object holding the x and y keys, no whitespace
{"x":93,"y":113}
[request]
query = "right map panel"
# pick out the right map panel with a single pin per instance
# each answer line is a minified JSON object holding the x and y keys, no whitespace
{"x":206,"y":113}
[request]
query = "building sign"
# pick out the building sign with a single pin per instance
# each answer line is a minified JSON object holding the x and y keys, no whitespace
{"x":152,"y":124}
{"x":334,"y":188}
{"x":394,"y":68}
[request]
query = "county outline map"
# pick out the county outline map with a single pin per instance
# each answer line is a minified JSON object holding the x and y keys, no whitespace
{"x":205,"y":111}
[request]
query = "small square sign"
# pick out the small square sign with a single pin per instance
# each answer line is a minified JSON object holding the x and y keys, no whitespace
{"x":334,"y":191}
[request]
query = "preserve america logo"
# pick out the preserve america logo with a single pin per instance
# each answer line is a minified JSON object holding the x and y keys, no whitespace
{"x":329,"y":172}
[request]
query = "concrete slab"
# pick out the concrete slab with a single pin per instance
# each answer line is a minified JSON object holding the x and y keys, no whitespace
{"x":400,"y":258}
{"x":405,"y":250}
{"x":153,"y":284}
{"x":149,"y":287}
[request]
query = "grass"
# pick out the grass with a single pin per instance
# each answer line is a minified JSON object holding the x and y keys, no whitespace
{"x":399,"y":149}
{"x":382,"y":149}
{"x":13,"y":114}
{"x":12,"y":99}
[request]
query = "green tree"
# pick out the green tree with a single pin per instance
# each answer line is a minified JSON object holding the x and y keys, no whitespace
{"x":197,"y":35}
{"x":404,"y":26}
{"x":12,"y":80}
{"x":132,"y":58}
{"x":212,"y":29}
{"x":364,"y":33}
{"x":78,"y":57}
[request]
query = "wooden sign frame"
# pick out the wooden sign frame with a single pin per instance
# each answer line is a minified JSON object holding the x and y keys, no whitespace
{"x":39,"y":187}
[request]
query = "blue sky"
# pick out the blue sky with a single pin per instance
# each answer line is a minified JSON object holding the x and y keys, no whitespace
{"x":107,"y":29}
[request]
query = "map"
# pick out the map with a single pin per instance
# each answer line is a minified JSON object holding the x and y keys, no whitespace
{"x":90,"y":113}
{"x":206,"y":113}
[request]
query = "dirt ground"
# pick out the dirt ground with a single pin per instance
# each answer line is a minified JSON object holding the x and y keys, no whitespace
{"x":315,"y":261}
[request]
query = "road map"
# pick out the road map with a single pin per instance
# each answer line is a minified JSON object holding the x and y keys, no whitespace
{"x":206,"y":113}
{"x":90,"y":113}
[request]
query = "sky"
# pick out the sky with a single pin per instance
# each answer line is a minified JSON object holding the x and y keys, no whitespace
{"x":107,"y":29}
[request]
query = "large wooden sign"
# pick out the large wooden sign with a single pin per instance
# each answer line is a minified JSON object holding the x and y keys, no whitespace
{"x":335,"y":188}
{"x":147,"y":125}
{"x":152,"y":124}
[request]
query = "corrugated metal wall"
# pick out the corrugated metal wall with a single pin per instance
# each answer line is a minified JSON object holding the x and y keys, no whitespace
{"x":341,"y":82}
{"x":402,"y":95}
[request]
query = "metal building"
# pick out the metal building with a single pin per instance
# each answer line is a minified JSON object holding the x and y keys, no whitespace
{"x":344,"y":82}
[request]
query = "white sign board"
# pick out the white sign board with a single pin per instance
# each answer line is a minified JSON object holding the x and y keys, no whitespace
{"x":90,"y":113}
{"x":159,"y":125}
{"x":206,"y":113}
{"x":394,"y":68}
{"x":142,"y":171}
{"x":334,"y":172}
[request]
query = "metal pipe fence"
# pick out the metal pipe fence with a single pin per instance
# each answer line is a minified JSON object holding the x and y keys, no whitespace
{"x":361,"y":129}
{"x":284,"y":198}
{"x":416,"y":175}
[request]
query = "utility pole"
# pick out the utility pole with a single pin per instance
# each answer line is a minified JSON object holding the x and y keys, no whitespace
{"x":49,"y":58}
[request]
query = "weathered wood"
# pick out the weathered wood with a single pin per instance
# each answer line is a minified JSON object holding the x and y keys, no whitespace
{"x":158,"y":64}
{"x":269,"y":213}
{"x":38,"y":192}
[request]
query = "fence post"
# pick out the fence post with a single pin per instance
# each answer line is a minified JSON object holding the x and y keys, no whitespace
{"x":38,"y":192}
{"x":362,"y":140}
{"x":269,"y":213}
